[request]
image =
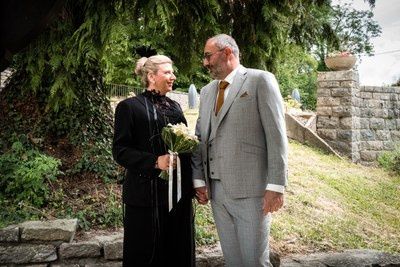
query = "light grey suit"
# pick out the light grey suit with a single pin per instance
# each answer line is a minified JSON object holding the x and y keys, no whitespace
{"x":250,"y":151}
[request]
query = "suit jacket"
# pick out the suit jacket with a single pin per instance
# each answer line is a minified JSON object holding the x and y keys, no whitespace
{"x":135,"y":126}
{"x":249,"y":138}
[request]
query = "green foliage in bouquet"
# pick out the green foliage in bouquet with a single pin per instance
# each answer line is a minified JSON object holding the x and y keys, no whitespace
{"x":179,"y":140}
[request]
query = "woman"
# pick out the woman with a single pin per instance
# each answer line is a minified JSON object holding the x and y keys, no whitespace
{"x":152,"y":235}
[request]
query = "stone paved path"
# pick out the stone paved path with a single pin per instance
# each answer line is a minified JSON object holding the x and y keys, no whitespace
{"x":212,"y":257}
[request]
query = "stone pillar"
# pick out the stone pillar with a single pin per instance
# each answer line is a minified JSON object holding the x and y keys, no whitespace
{"x":338,"y":110}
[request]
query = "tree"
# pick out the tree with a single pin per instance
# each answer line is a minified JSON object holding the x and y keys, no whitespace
{"x":297,"y":70}
{"x":397,"y":83}
{"x":58,"y":87}
{"x":353,"y":31}
{"x":56,"y":93}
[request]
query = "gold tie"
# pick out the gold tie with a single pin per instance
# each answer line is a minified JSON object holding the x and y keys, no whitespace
{"x":221,"y":91}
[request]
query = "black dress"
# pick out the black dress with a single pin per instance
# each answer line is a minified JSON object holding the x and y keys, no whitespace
{"x":152,"y":235}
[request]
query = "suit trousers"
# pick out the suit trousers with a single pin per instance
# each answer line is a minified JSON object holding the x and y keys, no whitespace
{"x":242,"y":228}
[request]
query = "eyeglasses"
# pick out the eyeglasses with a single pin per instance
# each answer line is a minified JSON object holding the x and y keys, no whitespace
{"x":209,"y":55}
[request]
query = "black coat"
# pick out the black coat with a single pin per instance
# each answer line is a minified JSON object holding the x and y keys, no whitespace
{"x":137,"y":144}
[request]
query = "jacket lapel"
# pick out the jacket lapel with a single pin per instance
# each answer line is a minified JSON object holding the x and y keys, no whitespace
{"x":208,"y":111}
{"x":149,"y":106}
{"x":238,"y":81}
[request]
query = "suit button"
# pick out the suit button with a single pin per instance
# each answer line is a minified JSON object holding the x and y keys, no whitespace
{"x":212,"y":172}
{"x":209,"y":145}
{"x":205,"y":162}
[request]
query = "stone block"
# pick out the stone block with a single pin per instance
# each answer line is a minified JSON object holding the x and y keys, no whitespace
{"x":328,"y":101}
{"x":31,"y":265}
{"x":388,"y":145}
{"x":390,"y":124}
{"x":373,"y":103}
{"x":356,"y":124}
{"x":346,"y":101}
{"x":106,"y":264}
{"x":346,"y":123}
{"x":329,"y":84}
{"x":65,"y":265}
{"x":322,"y":91}
{"x":368,"y":155}
{"x":343,"y":75}
{"x":364,"y":122}
{"x":349,"y":84}
{"x":355,"y":156}
{"x":356,"y":138}
{"x":395,"y":135}
{"x":112,"y":245}
{"x":367,"y":88}
{"x":324,"y":111}
{"x":377,"y":124}
{"x":381,"y":113}
{"x":377,"y":89}
{"x":382,"y":135}
{"x":9,"y":234}
{"x":327,"y":134}
{"x":327,"y":122}
{"x":27,"y":253}
{"x":363,"y":103}
{"x":80,"y":249}
{"x":341,"y":111}
{"x":366,"y":95}
{"x":108,"y":238}
{"x":346,"y":258}
{"x":344,"y":147}
{"x":339,"y":92}
{"x":56,"y":230}
{"x":344,"y":135}
{"x":113,"y":249}
{"x":372,"y":145}
{"x":394,"y":97}
{"x":367,"y":135}
{"x":83,"y":262}
{"x":393,"y":113}
{"x":381,"y":96}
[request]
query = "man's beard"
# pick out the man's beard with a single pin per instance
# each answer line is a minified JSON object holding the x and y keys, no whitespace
{"x":216,"y":72}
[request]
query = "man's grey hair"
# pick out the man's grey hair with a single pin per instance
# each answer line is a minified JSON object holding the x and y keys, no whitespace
{"x":223,"y":40}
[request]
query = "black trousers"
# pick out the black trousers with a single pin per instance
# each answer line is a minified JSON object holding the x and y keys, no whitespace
{"x":170,"y":242}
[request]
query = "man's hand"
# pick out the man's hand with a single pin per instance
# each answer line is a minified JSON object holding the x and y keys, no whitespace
{"x":273,"y":201}
{"x":202,"y":195}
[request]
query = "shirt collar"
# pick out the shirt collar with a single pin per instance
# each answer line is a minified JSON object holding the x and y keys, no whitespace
{"x":231,"y":75}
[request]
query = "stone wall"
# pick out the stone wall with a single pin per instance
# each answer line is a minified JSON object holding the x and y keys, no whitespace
{"x":359,"y":121}
{"x":52,"y":244}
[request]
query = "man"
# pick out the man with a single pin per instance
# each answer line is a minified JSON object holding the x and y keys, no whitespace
{"x":241,"y":163}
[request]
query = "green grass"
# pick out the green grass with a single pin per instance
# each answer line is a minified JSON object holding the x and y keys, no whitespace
{"x":332,"y":204}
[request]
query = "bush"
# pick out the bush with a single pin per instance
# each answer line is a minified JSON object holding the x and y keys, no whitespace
{"x":390,"y":160}
{"x":25,"y":173}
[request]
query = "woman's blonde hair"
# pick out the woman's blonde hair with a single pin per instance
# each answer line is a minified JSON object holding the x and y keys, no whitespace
{"x":146,"y":65}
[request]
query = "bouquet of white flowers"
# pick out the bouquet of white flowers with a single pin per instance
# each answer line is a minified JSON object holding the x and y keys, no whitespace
{"x":179,"y":140}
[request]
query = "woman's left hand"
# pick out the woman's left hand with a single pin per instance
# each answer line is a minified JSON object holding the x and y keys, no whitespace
{"x":163,"y":162}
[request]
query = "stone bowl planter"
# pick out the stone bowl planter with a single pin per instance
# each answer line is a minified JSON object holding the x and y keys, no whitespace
{"x":340,"y":62}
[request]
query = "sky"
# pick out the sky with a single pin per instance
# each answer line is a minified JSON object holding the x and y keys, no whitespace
{"x":384,"y":67}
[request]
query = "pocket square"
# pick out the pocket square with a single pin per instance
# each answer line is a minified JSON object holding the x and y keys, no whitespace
{"x":244,"y":94}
